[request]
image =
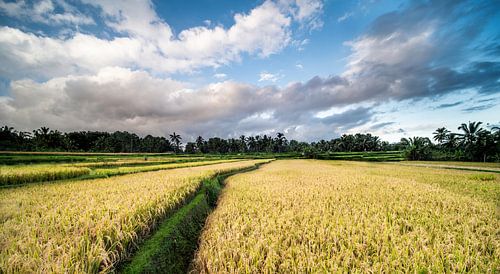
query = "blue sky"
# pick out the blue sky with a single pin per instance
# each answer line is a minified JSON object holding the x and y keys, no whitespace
{"x":310,"y":68}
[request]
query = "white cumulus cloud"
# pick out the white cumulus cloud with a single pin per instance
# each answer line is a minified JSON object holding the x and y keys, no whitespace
{"x":266,"y":76}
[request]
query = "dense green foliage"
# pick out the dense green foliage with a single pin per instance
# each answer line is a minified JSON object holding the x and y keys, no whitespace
{"x":45,"y":139}
{"x":361,"y":156}
{"x":472,"y":143}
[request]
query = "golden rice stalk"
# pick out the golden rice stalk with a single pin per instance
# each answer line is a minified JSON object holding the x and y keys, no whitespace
{"x":298,"y":216}
{"x":89,"y":226}
{"x":22,"y":174}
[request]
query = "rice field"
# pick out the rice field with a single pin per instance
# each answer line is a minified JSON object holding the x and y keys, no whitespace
{"x":135,"y":169}
{"x":299,"y":216}
{"x":22,"y":174}
{"x":475,"y":166}
{"x":288,"y":216}
{"x":454,"y":163}
{"x":89,"y":226}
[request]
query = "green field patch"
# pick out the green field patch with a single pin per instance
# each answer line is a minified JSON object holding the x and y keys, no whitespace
{"x":483,"y":177}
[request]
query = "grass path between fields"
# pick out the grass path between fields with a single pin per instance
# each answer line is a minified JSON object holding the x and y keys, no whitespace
{"x":172,"y":247}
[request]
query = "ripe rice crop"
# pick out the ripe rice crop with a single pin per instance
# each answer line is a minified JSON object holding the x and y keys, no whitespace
{"x":135,"y":162}
{"x":478,"y":166}
{"x":453,"y":163}
{"x":302,"y":216}
{"x":12,"y":175}
{"x":89,"y":226}
{"x":136,"y":169}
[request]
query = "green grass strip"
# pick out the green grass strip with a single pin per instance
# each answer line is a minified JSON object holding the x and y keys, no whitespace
{"x":170,"y":249}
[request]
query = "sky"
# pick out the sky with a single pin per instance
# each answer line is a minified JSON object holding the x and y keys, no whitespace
{"x":309,"y":68}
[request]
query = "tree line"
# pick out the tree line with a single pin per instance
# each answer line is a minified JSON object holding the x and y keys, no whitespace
{"x":471,"y":143}
{"x":45,"y":139}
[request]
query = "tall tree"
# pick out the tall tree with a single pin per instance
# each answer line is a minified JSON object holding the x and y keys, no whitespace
{"x":243,"y":143}
{"x":451,"y":141}
{"x":417,"y":148}
{"x":200,"y":144}
{"x":176,"y":139}
{"x":441,"y":134}
{"x":470,"y":133}
{"x":280,"y":141}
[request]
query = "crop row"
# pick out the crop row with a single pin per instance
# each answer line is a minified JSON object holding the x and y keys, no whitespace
{"x":135,"y":169}
{"x":22,"y":174}
{"x":315,"y":216}
{"x":89,"y":226}
{"x":13,"y":175}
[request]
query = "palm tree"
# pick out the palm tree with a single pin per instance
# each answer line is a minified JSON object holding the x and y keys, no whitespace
{"x":176,"y":139}
{"x":471,"y":132}
{"x":258,"y":143}
{"x":200,"y":144}
{"x":243,"y":143}
{"x":7,"y":129}
{"x":451,"y":140}
{"x":417,"y":148}
{"x":440,"y":134}
{"x":280,"y":140}
{"x":252,"y":144}
{"x":43,"y":131}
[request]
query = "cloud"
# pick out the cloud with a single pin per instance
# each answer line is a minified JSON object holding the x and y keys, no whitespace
{"x":28,"y":55}
{"x":349,"y":118}
{"x":146,"y":42}
{"x":307,"y":13}
{"x":269,"y":77}
{"x":122,"y":99}
{"x":45,"y":12}
{"x":478,"y":108}
{"x":345,"y":16}
{"x":220,"y":75}
{"x":300,"y":44}
{"x":449,"y":105}
{"x":409,"y":54}
{"x":486,"y":100}
{"x":419,"y":52}
{"x":380,"y":125}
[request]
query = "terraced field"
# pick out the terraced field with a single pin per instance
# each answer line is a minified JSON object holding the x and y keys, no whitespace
{"x":329,"y":216}
{"x":22,"y":174}
{"x":91,"y":225}
{"x":473,"y":166}
{"x":29,"y":173}
{"x":288,"y":216}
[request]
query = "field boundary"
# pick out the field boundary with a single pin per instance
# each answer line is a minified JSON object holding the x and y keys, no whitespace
{"x":172,"y":247}
{"x":93,"y":175}
{"x":465,"y":168}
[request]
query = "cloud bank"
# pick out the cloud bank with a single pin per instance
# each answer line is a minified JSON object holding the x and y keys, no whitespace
{"x":124,"y":83}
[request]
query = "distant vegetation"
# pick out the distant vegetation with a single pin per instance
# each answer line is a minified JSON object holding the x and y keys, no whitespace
{"x":471,"y":143}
